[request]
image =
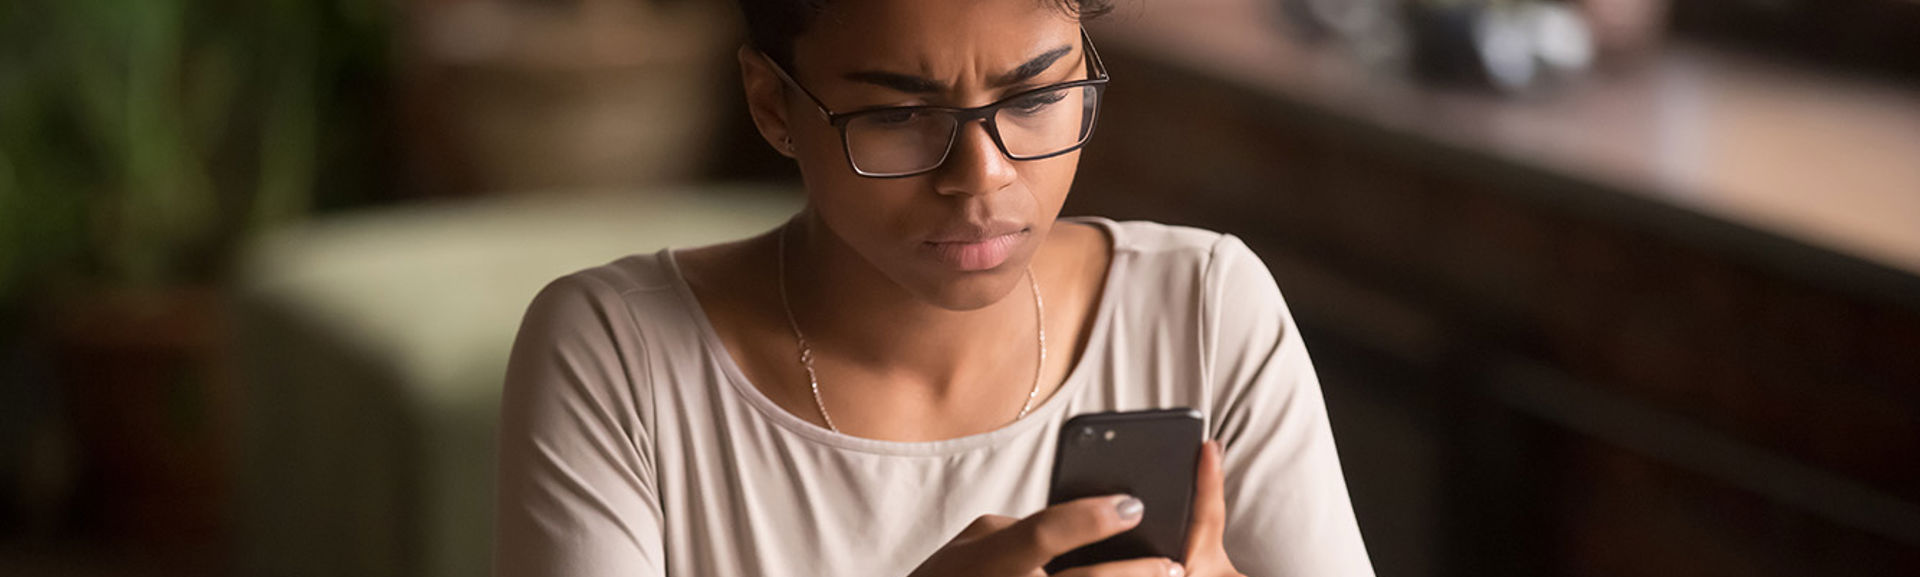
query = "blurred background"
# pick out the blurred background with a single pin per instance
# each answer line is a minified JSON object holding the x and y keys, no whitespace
{"x":1595,"y":287}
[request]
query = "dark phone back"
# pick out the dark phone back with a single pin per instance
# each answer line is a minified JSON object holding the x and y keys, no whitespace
{"x":1151,"y":455}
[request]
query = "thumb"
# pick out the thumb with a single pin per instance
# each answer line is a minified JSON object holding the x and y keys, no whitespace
{"x":1209,"y":505}
{"x":1037,"y":539}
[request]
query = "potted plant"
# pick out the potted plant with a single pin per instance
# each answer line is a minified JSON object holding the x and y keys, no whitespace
{"x":139,"y":143}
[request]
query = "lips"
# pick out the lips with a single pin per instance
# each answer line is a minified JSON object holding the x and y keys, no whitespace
{"x":975,"y":247}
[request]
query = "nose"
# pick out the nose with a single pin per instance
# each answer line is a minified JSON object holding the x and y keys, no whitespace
{"x":974,"y":165}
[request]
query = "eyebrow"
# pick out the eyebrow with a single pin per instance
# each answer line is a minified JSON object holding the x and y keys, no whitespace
{"x":917,"y":85}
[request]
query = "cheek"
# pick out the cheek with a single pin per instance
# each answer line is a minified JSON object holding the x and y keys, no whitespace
{"x":1050,"y":180}
{"x":861,"y":211}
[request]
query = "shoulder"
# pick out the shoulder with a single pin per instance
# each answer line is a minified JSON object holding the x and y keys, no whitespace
{"x":1167,"y":246}
{"x":1146,"y":238}
{"x":601,"y":336}
{"x":600,"y":309}
{"x":601,"y":287}
{"x":1179,"y":277}
{"x":1203,"y":266}
{"x":1204,"y":290}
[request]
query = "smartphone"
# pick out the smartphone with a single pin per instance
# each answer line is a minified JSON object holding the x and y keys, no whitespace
{"x":1151,"y":455}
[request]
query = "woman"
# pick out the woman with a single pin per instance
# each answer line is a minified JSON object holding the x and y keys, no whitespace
{"x":874,"y":387}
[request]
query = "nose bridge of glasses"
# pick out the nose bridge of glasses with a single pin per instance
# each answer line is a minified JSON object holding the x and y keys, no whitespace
{"x":968,"y":140}
{"x":983,"y":117}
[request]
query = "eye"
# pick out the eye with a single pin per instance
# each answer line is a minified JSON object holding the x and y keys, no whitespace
{"x":1035,"y":103}
{"x":895,"y":116}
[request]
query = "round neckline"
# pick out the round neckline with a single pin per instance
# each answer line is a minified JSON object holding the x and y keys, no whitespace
{"x":1040,"y":415}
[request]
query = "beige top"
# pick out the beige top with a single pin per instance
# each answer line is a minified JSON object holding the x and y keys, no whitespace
{"x":632,"y":445}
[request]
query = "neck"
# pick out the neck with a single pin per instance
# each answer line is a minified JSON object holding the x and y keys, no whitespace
{"x":849,"y":309}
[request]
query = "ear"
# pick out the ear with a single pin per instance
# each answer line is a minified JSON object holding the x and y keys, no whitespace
{"x":766,"y":99}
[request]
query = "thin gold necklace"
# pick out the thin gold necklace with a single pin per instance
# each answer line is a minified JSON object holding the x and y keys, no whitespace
{"x":806,"y":352}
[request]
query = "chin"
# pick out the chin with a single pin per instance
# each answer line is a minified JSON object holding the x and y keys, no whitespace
{"x":968,"y":291}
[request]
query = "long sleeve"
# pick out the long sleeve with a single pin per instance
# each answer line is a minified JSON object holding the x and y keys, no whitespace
{"x":577,"y":484}
{"x":1288,"y":513}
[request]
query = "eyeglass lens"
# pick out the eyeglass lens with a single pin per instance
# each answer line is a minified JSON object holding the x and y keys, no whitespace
{"x":1030,"y":126}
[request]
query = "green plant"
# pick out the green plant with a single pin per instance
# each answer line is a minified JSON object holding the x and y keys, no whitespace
{"x":139,"y":140}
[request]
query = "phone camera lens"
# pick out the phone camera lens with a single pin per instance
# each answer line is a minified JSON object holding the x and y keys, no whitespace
{"x":1085,"y":436}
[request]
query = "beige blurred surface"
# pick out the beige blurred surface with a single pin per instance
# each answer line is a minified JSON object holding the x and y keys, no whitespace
{"x":372,"y":348}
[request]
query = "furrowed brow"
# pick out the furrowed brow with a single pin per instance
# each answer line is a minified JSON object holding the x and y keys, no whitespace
{"x":897,"y":82}
{"x":911,"y":84}
{"x":1032,"y":67}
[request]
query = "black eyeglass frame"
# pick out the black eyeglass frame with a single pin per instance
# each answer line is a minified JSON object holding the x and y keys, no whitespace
{"x":1097,"y":80}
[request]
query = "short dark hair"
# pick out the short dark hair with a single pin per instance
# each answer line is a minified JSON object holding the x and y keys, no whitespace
{"x":773,"y":24}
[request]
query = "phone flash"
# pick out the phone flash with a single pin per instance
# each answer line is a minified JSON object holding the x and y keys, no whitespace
{"x":1109,"y":434}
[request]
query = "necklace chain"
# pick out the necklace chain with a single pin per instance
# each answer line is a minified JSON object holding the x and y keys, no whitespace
{"x":806,"y":351}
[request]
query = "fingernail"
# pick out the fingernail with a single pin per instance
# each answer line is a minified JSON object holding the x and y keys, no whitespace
{"x":1130,"y":508}
{"x":1175,"y":570}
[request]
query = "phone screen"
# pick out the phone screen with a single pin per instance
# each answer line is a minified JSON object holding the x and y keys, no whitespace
{"x":1151,"y":455}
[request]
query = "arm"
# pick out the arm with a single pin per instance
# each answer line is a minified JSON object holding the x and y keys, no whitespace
{"x":576,"y":478}
{"x":1286,"y":501}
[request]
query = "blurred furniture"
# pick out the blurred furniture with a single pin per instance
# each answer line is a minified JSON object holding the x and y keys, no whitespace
{"x":530,"y":95}
{"x":1661,"y":322}
{"x":1877,"y":36}
{"x":372,"y":351}
{"x":148,"y":398}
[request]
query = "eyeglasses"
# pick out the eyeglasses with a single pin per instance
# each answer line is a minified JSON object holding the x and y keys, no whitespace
{"x":901,"y":141}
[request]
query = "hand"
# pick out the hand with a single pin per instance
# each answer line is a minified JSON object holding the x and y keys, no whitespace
{"x":1206,"y":556}
{"x":998,"y":546}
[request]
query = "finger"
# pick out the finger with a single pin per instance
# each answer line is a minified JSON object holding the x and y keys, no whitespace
{"x":1209,"y":504}
{"x":1148,"y":567}
{"x":985,"y":525}
{"x":1031,"y":542}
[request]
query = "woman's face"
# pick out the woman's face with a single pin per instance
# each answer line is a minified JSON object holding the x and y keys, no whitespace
{"x":959,"y":237}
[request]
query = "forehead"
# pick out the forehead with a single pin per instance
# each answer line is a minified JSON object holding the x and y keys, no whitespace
{"x":939,"y":38}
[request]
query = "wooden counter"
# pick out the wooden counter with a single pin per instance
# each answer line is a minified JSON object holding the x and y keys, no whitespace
{"x":1817,"y":174}
{"x":1664,"y":322}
